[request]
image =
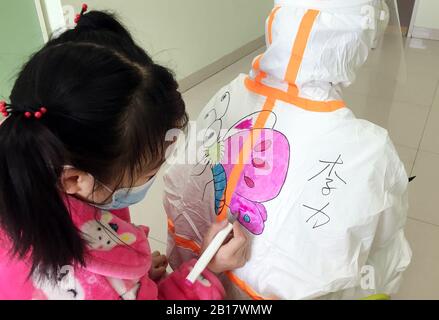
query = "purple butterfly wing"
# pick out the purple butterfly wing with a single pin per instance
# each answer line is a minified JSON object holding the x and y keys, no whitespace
{"x":249,"y":214}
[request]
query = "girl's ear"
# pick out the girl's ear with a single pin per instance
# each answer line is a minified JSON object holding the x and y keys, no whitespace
{"x":77,"y":182}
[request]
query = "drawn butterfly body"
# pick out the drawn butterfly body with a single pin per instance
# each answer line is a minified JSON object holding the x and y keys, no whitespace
{"x":263,"y":174}
{"x":220,"y":184}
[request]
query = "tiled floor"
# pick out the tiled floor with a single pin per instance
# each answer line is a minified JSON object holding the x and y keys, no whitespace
{"x":399,"y":91}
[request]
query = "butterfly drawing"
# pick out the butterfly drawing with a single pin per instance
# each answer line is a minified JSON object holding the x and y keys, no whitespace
{"x":264,"y":171}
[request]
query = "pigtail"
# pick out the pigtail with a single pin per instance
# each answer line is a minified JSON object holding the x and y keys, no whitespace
{"x":33,"y":214}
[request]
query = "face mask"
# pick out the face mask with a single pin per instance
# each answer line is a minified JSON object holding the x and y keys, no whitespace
{"x":126,"y":197}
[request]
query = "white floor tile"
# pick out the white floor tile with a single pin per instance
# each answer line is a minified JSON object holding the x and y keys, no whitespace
{"x":424,"y":190}
{"x":416,"y":88}
{"x":408,"y":156}
{"x":407,"y":55}
{"x":404,"y":121}
{"x":430,"y":142}
{"x":157,"y":246}
{"x":421,"y":280}
{"x":423,"y":46}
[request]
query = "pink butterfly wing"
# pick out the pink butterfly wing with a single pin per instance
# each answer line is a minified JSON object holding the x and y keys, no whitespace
{"x":265,"y":171}
{"x":263,"y":175}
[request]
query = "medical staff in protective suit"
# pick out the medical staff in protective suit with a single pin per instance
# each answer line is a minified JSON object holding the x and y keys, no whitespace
{"x":322,"y":194}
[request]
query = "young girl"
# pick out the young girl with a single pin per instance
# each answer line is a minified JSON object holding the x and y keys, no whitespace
{"x":82,"y":140}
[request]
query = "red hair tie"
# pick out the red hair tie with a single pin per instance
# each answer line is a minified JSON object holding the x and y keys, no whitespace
{"x":39,"y":114}
{"x":84,"y":9}
{"x":6,"y":110}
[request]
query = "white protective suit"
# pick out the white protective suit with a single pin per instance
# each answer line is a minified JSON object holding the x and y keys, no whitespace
{"x":322,"y":194}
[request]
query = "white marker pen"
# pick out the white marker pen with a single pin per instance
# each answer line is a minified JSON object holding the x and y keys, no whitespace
{"x":211,"y":250}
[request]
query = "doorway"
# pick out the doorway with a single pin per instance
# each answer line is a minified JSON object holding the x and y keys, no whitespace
{"x":406,"y":9}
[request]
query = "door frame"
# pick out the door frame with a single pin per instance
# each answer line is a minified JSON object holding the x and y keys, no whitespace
{"x":51,"y":16}
{"x":413,"y":20}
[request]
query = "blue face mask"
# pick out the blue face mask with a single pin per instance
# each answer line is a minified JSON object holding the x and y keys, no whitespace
{"x":123,"y":198}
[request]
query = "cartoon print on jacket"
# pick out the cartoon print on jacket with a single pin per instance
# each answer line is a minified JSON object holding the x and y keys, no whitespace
{"x":263,"y":174}
{"x":66,"y":287}
{"x":103,"y":234}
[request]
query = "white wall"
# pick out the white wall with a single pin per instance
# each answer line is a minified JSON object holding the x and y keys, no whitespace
{"x":428,"y":14}
{"x":20,"y":36}
{"x":188,"y":35}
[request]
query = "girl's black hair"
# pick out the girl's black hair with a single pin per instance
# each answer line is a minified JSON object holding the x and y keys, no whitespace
{"x":109,"y":107}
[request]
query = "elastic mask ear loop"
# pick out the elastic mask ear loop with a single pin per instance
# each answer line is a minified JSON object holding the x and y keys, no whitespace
{"x":94,"y":179}
{"x":103,"y":185}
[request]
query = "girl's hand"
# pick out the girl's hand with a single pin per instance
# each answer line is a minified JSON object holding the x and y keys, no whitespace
{"x":158,"y":267}
{"x":233,"y":254}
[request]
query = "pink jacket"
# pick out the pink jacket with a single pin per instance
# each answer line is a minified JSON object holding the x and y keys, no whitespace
{"x":117,"y":265}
